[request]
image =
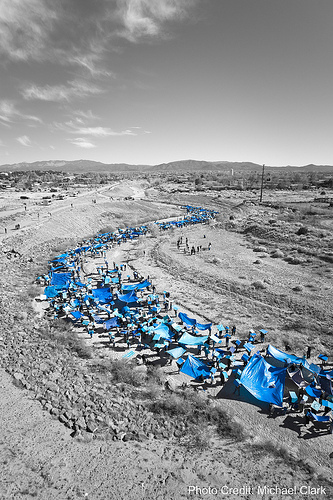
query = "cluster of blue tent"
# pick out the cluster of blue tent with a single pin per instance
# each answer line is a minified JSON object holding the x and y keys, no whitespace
{"x":266,"y":379}
{"x":125,"y":307}
{"x":195,"y":215}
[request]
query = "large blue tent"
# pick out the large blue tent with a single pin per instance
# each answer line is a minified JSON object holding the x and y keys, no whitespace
{"x":195,"y":368}
{"x":264,"y":381}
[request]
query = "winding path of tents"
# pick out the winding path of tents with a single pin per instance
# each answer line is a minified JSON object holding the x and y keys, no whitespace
{"x":140,"y":314}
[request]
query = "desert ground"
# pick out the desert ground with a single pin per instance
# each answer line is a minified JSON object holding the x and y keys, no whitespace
{"x":262,"y":271}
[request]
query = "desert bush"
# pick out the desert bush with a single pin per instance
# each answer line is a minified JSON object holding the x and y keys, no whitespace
{"x":127,"y":373}
{"x":302,"y":230}
{"x":269,"y":448}
{"x":106,"y":229}
{"x":258,"y":285}
{"x":277,"y":254}
{"x":171,"y":405}
{"x":153,"y":230}
{"x":198,"y":439}
{"x":63,"y":336}
{"x":260,"y":249}
{"x":227,"y":427}
{"x":156,"y":375}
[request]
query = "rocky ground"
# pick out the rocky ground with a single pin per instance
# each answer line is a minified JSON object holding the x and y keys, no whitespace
{"x":75,"y":424}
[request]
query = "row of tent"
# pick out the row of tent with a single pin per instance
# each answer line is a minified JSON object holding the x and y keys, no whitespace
{"x":263,"y":377}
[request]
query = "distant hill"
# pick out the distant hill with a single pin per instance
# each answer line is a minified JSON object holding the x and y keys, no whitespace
{"x":82,"y":166}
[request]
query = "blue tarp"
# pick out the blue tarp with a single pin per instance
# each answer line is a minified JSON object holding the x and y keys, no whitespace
{"x":177,"y":352}
{"x":128,"y":298}
{"x":264,"y":381}
{"x":283,"y":357}
{"x":318,"y":418}
{"x":103,"y":295}
{"x":61,"y":279}
{"x":162,"y":331}
{"x":127,"y":288}
{"x":111,"y":323}
{"x":51,"y":291}
{"x":189,"y":321}
{"x":137,"y":286}
{"x":207,"y":326}
{"x":143,"y":284}
{"x":187,"y":339}
{"x":76,"y":314}
{"x":194,"y":367}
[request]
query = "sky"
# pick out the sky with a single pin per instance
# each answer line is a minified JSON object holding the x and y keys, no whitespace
{"x":154,"y":81}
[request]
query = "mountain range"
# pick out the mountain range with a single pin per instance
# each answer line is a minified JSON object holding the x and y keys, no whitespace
{"x":83,"y":166}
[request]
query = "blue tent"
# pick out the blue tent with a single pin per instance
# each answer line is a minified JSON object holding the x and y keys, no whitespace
{"x":177,"y":352}
{"x":189,"y":321}
{"x":111,"y":323}
{"x":206,"y":326}
{"x":187,"y":339}
{"x":103,"y":295}
{"x":52,"y":291}
{"x":76,"y":314}
{"x":128,"y":298}
{"x":264,"y":381}
{"x":143,"y":284}
{"x":283,"y":357}
{"x":61,"y":279}
{"x":162,"y":331}
{"x":127,"y":288}
{"x":312,"y":391}
{"x":195,"y":368}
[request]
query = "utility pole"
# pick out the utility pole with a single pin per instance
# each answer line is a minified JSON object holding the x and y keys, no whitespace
{"x":262,"y":181}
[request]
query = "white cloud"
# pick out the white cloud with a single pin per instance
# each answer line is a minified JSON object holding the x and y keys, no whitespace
{"x":58,"y":93}
{"x":81,"y":33}
{"x":145,"y":18}
{"x":24,"y":140}
{"x":87,"y":62}
{"x":25,"y":28}
{"x":82,"y":143}
{"x":9,"y":114}
{"x":88,"y":115}
{"x":74,"y":127}
{"x":102,"y":131}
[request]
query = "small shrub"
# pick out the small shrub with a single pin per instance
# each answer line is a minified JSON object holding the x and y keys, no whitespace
{"x":63,"y":336}
{"x":198,"y":439}
{"x":126,"y":372}
{"x":302,"y":230}
{"x":258,"y":285}
{"x":227,"y":427}
{"x":260,"y":249}
{"x":277,"y":254}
